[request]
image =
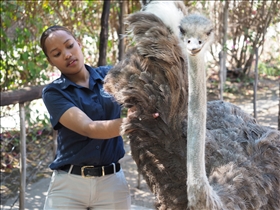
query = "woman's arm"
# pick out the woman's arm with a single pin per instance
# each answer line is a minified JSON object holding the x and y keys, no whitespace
{"x":76,"y":120}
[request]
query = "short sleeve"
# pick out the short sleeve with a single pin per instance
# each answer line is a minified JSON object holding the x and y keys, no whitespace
{"x":56,"y":104}
{"x":103,"y":70}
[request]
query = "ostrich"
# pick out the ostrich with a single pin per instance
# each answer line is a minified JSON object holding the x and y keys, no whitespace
{"x":231,"y":162}
{"x":243,"y":170}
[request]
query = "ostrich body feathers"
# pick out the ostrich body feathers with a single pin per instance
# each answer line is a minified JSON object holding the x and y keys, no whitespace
{"x":242,"y":158}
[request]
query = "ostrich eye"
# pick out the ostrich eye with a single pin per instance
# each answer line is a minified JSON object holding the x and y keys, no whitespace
{"x":209,"y":32}
{"x":182,"y":30}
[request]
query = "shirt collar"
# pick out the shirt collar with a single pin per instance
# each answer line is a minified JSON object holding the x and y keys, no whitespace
{"x":93,"y":72}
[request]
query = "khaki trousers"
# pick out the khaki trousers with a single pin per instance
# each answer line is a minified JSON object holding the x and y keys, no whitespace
{"x":68,"y":191}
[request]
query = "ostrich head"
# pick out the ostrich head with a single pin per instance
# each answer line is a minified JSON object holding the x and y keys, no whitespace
{"x":196,"y":32}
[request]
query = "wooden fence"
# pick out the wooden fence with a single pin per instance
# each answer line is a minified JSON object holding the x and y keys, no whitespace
{"x":20,"y":97}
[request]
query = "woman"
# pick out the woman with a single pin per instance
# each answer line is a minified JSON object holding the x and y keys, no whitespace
{"x":86,"y":172}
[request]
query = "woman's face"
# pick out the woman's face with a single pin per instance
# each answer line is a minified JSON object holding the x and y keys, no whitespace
{"x":64,"y":52}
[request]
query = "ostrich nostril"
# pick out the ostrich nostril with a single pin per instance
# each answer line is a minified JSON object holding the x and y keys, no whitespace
{"x":200,"y":42}
{"x":189,"y":41}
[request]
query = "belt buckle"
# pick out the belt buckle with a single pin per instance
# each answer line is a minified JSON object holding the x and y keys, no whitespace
{"x":82,"y":171}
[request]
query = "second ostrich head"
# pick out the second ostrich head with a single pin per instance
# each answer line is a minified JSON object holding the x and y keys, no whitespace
{"x":196,"y":32}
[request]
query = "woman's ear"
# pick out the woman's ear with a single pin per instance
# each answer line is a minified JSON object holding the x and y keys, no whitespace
{"x":79,"y":43}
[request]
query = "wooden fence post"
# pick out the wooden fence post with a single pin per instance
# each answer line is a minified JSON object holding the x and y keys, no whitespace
{"x":22,"y":156}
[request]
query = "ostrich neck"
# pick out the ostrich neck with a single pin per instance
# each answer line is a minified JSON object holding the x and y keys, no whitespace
{"x":196,"y":119}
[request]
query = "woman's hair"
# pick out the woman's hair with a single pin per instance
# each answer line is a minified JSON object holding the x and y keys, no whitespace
{"x":47,"y":33}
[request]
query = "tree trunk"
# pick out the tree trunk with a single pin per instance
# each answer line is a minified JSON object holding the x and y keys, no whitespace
{"x":225,"y":28}
{"x":104,"y":34}
{"x":279,"y":110}
{"x":256,"y":83}
{"x":223,"y":53}
{"x":221,"y":75}
{"x":121,"y":29}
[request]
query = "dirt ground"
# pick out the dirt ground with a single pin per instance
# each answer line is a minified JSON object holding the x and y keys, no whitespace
{"x":267,"y":105}
{"x":140,"y":192}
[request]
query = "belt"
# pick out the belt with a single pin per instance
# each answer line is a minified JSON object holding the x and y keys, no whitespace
{"x":89,"y":171}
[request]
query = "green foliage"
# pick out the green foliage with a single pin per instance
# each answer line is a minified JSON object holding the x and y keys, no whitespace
{"x":231,"y":89}
{"x":269,"y":69}
{"x":21,"y":58}
{"x":22,"y":23}
{"x":22,"y":62}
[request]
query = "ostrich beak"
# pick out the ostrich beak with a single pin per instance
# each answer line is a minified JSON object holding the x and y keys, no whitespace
{"x":193,"y":52}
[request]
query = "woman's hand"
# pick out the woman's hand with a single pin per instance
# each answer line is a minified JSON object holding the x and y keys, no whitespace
{"x":155,"y":115}
{"x":131,"y":110}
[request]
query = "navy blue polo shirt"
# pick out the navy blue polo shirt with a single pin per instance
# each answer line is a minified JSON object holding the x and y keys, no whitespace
{"x":73,"y":148}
